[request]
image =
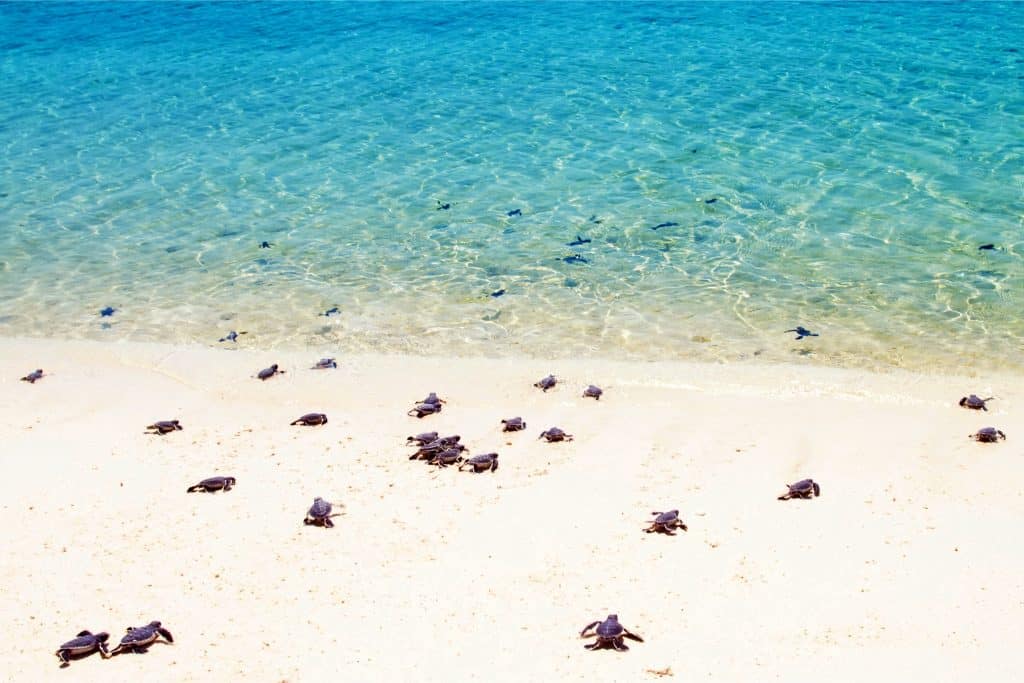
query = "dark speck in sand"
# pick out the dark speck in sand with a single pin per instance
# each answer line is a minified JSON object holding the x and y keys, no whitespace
{"x":497,"y":293}
{"x":107,"y":312}
{"x":514,"y":212}
{"x":575,"y":258}
{"x":987,"y":247}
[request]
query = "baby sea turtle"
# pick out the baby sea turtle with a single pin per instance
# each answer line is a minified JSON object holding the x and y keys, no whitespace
{"x":432,"y":397}
{"x":267,"y":373}
{"x":513,"y":424}
{"x":593,"y":392}
{"x":319,"y":514}
{"x":802,"y":332}
{"x":212,"y":484}
{"x":609,"y":634}
{"x":33,"y":376}
{"x":424,"y":409}
{"x":805,"y":488}
{"x":139,"y":638}
{"x":974,"y":402}
{"x":667,"y":224}
{"x":448,"y":456}
{"x":514,"y":212}
{"x":481,"y":463}
{"x":107,"y":312}
{"x":324,"y":364}
{"x":579,"y":241}
{"x":988,"y":435}
{"x":546,"y":383}
{"x":576,"y":258}
{"x":311,"y":420}
{"x":232,"y":336}
{"x":443,"y":207}
{"x":555,"y":434}
{"x":331,"y":311}
{"x":164,"y":427}
{"x":265,"y":245}
{"x":428,"y":451}
{"x":666,"y":523}
{"x":81,"y":645}
{"x":421,"y":439}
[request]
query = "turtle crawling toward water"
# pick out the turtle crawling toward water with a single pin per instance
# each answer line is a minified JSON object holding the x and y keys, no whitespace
{"x":325,"y":363}
{"x":164,"y":427}
{"x":311,"y":420}
{"x":81,"y":645}
{"x":593,"y":392}
{"x":319,"y":514}
{"x":988,"y":435}
{"x":430,"y":450}
{"x":449,"y":456}
{"x":513,"y":424}
{"x":481,"y":463}
{"x":423,"y":409}
{"x":666,"y":523}
{"x":33,"y":376}
{"x":609,"y":634}
{"x":546,"y":383}
{"x":267,"y":373}
{"x":139,"y":638}
{"x":555,"y":434}
{"x":805,"y":488}
{"x":974,"y":402}
{"x":421,"y":439}
{"x":211,"y":484}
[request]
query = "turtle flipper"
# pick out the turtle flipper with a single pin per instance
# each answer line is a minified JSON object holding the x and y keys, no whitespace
{"x":632,"y":636}
{"x":619,"y":645}
{"x":586,"y":628}
{"x":166,"y":634}
{"x":817,"y":489}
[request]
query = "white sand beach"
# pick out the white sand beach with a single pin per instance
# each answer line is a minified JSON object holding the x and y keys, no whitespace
{"x":908,"y":566}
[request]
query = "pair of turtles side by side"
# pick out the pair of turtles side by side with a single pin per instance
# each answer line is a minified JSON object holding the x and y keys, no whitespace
{"x":513,"y":424}
{"x":428,"y":406}
{"x":164,"y":427}
{"x":319,"y":514}
{"x":974,"y":402}
{"x":82,"y":645}
{"x":211,"y":484}
{"x":666,"y":523}
{"x":555,"y":434}
{"x":481,"y":463}
{"x":267,"y":373}
{"x":138,"y":638}
{"x":805,"y":488}
{"x":988,"y":435}
{"x":311,"y":420}
{"x":33,"y":376}
{"x":610,"y":634}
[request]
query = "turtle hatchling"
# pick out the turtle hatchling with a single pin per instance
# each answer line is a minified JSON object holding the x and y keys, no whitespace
{"x":432,"y":397}
{"x":593,"y":392}
{"x":424,"y":409}
{"x":311,"y":420}
{"x":81,"y":645}
{"x":481,"y":463}
{"x":212,"y":484}
{"x":546,"y":383}
{"x":988,"y":435}
{"x":609,"y":634}
{"x":805,"y":488}
{"x":164,"y":427}
{"x":319,"y":514}
{"x":555,"y":434}
{"x":974,"y":402}
{"x":449,"y":456}
{"x":139,"y":638}
{"x":513,"y":424}
{"x":33,"y":376}
{"x":431,"y":449}
{"x":324,"y":364}
{"x":666,"y":523}
{"x":421,"y":439}
{"x":267,"y":373}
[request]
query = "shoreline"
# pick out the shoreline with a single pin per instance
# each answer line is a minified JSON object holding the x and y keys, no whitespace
{"x":435,"y":574}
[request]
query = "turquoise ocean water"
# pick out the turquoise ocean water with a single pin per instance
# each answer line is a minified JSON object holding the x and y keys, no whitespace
{"x":827,"y":164}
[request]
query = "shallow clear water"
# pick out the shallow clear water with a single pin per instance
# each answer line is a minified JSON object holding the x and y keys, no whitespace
{"x":830,"y":165}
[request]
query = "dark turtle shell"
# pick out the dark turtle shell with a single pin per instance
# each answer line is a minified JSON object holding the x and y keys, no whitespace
{"x":320,"y":508}
{"x":267,"y":373}
{"x":546,"y":383}
{"x":421,"y":439}
{"x":667,"y":517}
{"x":593,"y":392}
{"x":33,"y":376}
{"x":325,"y":363}
{"x":513,"y":424}
{"x":311,"y":420}
{"x":610,"y":627}
{"x":555,"y":434}
{"x":85,"y":642}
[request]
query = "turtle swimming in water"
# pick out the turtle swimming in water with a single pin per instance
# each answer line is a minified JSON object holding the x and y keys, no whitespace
{"x":164,"y":427}
{"x":555,"y":434}
{"x":513,"y":424}
{"x":81,"y":645}
{"x":139,"y":638}
{"x":267,"y":373}
{"x":546,"y":383}
{"x":593,"y":392}
{"x":988,"y":435}
{"x":802,"y":332}
{"x":666,"y":523}
{"x":311,"y":420}
{"x":609,"y":634}
{"x":974,"y":402}
{"x":324,"y":364}
{"x":33,"y":376}
{"x":319,"y":514}
{"x":805,"y":488}
{"x":232,"y":336}
{"x":481,"y":463}
{"x":107,"y":312}
{"x":211,"y":484}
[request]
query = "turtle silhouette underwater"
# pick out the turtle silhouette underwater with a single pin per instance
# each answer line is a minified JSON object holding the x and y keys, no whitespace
{"x":82,"y":645}
{"x":610,"y":634}
{"x":211,"y":484}
{"x":107,"y":312}
{"x":513,"y":424}
{"x":481,"y":463}
{"x":666,"y":523}
{"x":805,"y":488}
{"x":593,"y":392}
{"x":141,"y":637}
{"x":311,"y":420}
{"x":164,"y":427}
{"x":555,"y":434}
{"x":802,"y":332}
{"x":319,"y":514}
{"x":33,"y":376}
{"x":974,"y":402}
{"x":267,"y":373}
{"x":988,"y":435}
{"x":232,"y":336}
{"x":546,"y":383}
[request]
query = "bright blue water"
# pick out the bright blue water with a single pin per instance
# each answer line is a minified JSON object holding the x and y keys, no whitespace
{"x":831,"y":165}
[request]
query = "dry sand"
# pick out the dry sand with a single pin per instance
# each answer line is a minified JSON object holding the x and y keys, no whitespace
{"x":908,"y":567}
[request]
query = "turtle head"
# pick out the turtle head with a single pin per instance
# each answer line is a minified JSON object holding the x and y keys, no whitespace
{"x":613,"y":617}
{"x":102,"y":636}
{"x":154,"y":624}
